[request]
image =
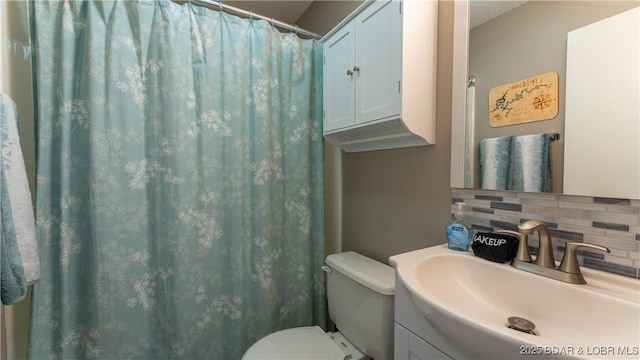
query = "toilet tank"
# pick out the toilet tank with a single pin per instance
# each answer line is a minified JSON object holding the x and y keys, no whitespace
{"x":360,"y":292}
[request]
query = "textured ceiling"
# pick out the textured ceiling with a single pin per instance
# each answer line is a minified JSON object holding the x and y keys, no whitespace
{"x":289,"y":11}
{"x":485,"y":10}
{"x":283,"y":10}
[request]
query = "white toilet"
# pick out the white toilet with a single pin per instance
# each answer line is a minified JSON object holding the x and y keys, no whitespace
{"x":360,"y":294}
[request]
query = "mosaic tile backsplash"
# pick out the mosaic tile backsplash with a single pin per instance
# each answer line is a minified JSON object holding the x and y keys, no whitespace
{"x":614,"y":223}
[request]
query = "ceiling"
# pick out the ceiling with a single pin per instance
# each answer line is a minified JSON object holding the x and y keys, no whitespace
{"x":485,"y":10}
{"x":287,"y":11}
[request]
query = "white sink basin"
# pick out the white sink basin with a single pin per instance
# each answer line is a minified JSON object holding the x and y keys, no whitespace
{"x":468,"y":299}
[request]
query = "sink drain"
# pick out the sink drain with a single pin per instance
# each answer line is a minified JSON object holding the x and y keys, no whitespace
{"x":520,"y":324}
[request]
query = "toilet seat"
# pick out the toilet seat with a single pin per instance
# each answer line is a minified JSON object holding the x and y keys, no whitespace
{"x":309,"y":342}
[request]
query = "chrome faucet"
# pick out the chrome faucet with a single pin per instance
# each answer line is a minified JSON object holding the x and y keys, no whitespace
{"x":545,"y":265}
{"x":545,"y":250}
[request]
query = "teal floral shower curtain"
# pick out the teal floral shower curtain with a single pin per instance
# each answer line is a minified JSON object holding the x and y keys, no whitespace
{"x":179,"y":181}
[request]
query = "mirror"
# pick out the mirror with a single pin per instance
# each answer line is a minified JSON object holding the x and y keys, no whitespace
{"x":524,"y":40}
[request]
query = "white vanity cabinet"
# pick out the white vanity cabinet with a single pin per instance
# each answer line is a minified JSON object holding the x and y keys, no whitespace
{"x":414,"y":336}
{"x":408,"y":345}
{"x":380,"y":76}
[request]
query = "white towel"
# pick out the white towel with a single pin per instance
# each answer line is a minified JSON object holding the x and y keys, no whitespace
{"x":17,"y":187}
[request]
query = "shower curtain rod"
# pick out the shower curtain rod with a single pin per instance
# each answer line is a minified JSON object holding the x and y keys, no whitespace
{"x":237,"y":11}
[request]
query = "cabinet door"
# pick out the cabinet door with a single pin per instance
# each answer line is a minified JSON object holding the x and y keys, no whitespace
{"x":407,"y":346}
{"x":378,"y":61}
{"x":339,"y":79}
{"x":606,"y":53}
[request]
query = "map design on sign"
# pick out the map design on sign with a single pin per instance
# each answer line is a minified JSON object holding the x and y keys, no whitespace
{"x":523,"y":101}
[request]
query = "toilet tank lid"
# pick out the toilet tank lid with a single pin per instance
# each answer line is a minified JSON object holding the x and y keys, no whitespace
{"x":368,"y":272}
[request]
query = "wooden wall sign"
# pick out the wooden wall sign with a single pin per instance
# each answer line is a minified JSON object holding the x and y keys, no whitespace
{"x":523,"y":101}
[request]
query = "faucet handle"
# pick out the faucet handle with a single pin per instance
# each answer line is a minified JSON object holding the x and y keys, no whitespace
{"x":531,"y":225}
{"x":569,"y":263}
{"x":523,"y":245}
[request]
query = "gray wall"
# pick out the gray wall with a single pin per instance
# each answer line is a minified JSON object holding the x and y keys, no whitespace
{"x":395,"y":200}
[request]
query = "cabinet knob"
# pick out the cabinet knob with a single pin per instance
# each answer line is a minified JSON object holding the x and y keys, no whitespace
{"x":349,"y":72}
{"x":356,"y":68}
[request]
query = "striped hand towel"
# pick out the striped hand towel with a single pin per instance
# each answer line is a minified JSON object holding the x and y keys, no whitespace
{"x":494,"y":162}
{"x":530,"y":163}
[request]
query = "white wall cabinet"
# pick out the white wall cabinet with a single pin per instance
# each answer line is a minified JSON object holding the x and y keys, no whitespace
{"x":362,"y":68}
{"x":380,"y":76}
{"x":338,"y":81}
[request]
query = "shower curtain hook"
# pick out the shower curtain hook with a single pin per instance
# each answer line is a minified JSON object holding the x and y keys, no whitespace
{"x":273,"y":23}
{"x":296,"y":30}
{"x":221,"y":6}
{"x":250,"y":15}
